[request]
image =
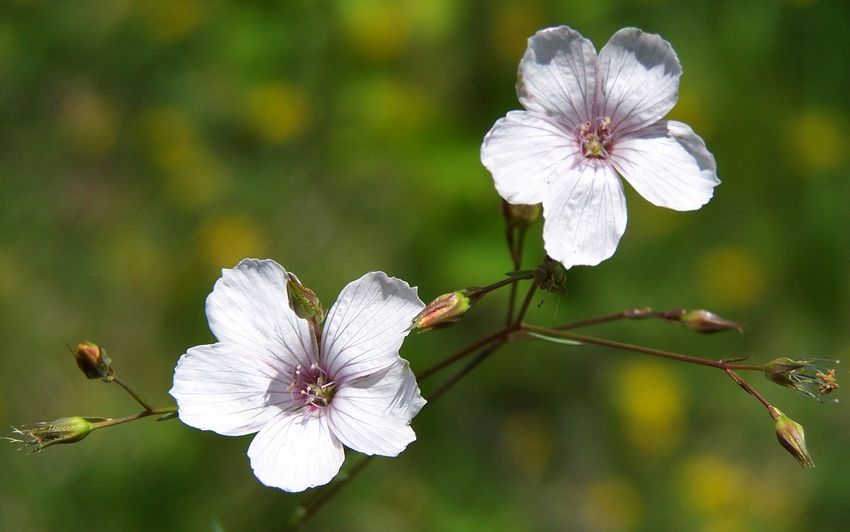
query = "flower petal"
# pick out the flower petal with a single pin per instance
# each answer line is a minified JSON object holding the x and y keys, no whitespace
{"x":366,"y":326}
{"x":373,"y":415}
{"x":668,"y":164}
{"x":558,"y":75}
{"x":249,"y":306}
{"x":228,"y":388}
{"x":296,"y":452}
{"x":640,"y":79}
{"x":525,"y":151}
{"x":585,"y":215}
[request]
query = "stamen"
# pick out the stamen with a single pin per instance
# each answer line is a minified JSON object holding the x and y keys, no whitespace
{"x":595,"y":142}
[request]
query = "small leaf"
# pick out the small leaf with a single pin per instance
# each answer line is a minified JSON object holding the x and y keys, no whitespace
{"x":554,"y":339}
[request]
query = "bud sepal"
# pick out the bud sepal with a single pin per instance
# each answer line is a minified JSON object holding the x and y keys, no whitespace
{"x":303,"y":301}
{"x":792,"y":437}
{"x":443,"y":311}
{"x":46,"y":433}
{"x":93,"y":361}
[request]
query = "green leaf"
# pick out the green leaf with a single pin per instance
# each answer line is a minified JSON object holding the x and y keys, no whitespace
{"x":553,"y":339}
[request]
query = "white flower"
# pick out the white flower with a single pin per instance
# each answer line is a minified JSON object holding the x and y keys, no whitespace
{"x":267,"y":375}
{"x":587,"y":119}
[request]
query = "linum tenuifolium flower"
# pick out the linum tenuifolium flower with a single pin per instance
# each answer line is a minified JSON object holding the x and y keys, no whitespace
{"x":588,"y":118}
{"x":266,"y":374}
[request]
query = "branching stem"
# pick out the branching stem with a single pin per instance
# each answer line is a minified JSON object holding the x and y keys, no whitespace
{"x":126,"y":419}
{"x":139,"y":399}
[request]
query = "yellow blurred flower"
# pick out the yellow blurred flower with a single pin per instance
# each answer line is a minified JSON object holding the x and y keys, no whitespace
{"x":650,"y":400}
{"x":224,"y":240}
{"x":816,"y":141}
{"x":378,"y":30}
{"x":277,"y":112}
{"x":711,"y":486}
{"x":731,"y":277}
{"x":527,"y":443}
{"x":388,"y":105}
{"x":193,"y":177}
{"x":89,"y":118}
{"x":612,"y":504}
{"x":170,"y":20}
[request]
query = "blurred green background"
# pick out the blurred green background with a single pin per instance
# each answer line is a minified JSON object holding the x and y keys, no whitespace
{"x":146,"y":145}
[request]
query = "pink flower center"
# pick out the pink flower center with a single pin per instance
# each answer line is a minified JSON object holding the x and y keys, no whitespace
{"x":595,"y":139}
{"x":312,"y":386}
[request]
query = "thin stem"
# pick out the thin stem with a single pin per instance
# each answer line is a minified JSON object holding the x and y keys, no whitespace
{"x":133,"y":417}
{"x":479,"y":358}
{"x":478,"y":293}
{"x":524,"y":308}
{"x":451,"y":359}
{"x":315,"y":503}
{"x":719,"y":364}
{"x":631,"y":314}
{"x":516,"y":249}
{"x":511,"y":303}
{"x":626,"y":347}
{"x":747,"y":388}
{"x":321,"y":498}
{"x":746,"y":367}
{"x":139,"y":399}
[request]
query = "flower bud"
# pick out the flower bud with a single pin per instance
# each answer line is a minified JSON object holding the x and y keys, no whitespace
{"x":550,"y":275}
{"x":304,"y":301}
{"x":707,"y":322}
{"x":521,"y":216}
{"x":47,"y":433}
{"x":93,"y":361}
{"x":791,"y":435}
{"x":802,"y":375}
{"x":443,"y":311}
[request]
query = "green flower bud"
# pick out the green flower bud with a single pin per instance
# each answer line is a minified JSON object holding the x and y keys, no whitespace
{"x":304,"y":301}
{"x":442,"y":312}
{"x":46,"y":433}
{"x":93,"y":361}
{"x":791,"y":435}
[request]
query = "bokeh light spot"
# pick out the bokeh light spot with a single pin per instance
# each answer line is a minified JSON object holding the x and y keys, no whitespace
{"x":224,"y":240}
{"x":527,"y":443}
{"x":277,"y":112}
{"x":649,"y":397}
{"x":378,"y":30}
{"x":816,"y":141}
{"x":612,"y":504}
{"x":193,"y":176}
{"x":732,"y":277}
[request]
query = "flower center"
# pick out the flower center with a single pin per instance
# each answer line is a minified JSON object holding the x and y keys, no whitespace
{"x":595,"y":139}
{"x":312,"y":386}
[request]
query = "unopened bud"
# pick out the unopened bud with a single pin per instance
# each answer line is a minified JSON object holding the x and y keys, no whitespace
{"x":443,"y":311}
{"x":792,"y":436}
{"x":46,"y":433}
{"x":806,"y":375}
{"x":550,"y":275}
{"x":707,"y":322}
{"x":93,"y":361}
{"x":304,"y":301}
{"x":521,"y":216}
